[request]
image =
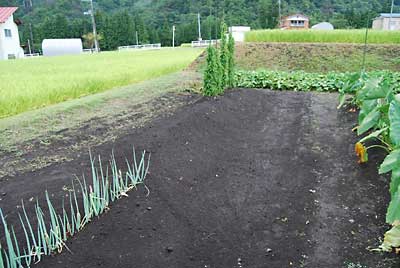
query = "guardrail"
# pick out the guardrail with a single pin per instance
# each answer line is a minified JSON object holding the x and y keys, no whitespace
{"x":140,"y":47}
{"x":33,"y":55}
{"x":89,"y":50}
{"x":204,"y":43}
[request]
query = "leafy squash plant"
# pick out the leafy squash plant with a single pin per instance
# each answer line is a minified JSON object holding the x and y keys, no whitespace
{"x":379,"y":122}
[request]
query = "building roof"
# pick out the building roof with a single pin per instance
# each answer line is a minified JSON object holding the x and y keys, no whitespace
{"x":387,"y":15}
{"x":296,"y":16}
{"x":6,"y":12}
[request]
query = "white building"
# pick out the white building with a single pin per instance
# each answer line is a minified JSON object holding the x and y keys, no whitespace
{"x":239,"y":32}
{"x":10,"y":47}
{"x":387,"y":21}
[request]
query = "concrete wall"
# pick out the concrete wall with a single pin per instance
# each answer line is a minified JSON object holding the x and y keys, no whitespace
{"x":10,"y":45}
{"x":239,"y":32}
{"x":383,"y":24}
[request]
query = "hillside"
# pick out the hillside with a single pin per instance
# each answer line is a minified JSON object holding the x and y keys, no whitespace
{"x":153,"y":19}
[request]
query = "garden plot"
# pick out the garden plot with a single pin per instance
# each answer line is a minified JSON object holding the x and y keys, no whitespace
{"x":254,"y":178}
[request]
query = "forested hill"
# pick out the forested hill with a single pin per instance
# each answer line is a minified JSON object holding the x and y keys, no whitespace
{"x":118,"y":20}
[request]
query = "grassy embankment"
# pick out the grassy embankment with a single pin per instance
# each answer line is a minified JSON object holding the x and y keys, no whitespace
{"x":33,"y":83}
{"x":320,"y":36}
{"x":317,"y":57}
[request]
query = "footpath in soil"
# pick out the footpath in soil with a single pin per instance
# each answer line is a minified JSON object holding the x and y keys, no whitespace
{"x":254,"y":178}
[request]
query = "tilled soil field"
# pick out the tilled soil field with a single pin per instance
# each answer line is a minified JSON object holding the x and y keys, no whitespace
{"x":254,"y":178}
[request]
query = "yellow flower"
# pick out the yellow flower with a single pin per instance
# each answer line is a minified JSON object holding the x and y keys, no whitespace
{"x":361,"y":152}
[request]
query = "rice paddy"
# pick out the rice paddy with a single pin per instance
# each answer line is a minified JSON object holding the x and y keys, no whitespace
{"x":321,"y":36}
{"x":33,"y":83}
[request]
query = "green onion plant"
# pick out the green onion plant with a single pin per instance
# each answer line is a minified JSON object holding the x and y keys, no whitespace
{"x":54,"y":228}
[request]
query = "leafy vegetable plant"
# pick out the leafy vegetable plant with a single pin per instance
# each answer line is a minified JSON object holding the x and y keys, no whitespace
{"x":344,"y":83}
{"x":379,"y":123}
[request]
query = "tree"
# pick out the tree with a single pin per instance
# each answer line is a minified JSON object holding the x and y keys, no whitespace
{"x":224,"y":55}
{"x":268,"y":14}
{"x":89,"y":40}
{"x":212,"y":73}
{"x":231,"y":61}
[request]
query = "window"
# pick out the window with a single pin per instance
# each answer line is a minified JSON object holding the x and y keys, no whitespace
{"x":7,"y":32}
{"x":297,"y":23}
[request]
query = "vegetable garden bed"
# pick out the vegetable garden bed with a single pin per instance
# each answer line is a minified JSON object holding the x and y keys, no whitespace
{"x":254,"y":178}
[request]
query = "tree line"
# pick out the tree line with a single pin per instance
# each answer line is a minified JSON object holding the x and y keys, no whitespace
{"x":119,"y":20}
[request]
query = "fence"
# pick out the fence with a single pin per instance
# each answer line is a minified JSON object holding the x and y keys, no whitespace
{"x":33,"y":55}
{"x":203,"y":43}
{"x":89,"y":50}
{"x":140,"y":47}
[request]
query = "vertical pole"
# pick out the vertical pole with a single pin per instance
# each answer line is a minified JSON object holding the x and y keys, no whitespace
{"x":199,"y":23}
{"x":137,"y":38}
{"x":29,"y":46}
{"x":391,"y":15}
{"x":96,"y":41}
{"x":365,"y":45}
{"x":173,"y":36}
{"x":31,"y":35}
{"x":280,"y":12}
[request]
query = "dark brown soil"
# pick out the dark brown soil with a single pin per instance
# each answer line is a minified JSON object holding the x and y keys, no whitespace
{"x":252,"y":179}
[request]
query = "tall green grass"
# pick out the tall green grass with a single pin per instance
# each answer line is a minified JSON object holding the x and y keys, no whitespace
{"x":32,"y":83}
{"x":320,"y":36}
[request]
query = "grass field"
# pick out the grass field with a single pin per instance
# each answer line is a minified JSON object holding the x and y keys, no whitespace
{"x":319,"y":36}
{"x":33,"y":83}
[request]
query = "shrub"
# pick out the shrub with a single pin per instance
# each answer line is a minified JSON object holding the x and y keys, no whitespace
{"x":231,"y":61}
{"x":219,"y":72}
{"x":212,"y":74}
{"x":224,"y":55}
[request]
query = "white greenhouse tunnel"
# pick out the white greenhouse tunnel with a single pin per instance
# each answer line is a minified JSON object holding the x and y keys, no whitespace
{"x":59,"y":47}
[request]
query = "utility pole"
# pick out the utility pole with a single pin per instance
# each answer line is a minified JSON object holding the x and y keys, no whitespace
{"x":91,"y":12}
{"x":29,"y":47}
{"x":391,"y":15}
{"x":173,"y":35}
{"x":137,"y":38}
{"x":31,"y":35}
{"x":199,"y":23}
{"x":280,"y":12}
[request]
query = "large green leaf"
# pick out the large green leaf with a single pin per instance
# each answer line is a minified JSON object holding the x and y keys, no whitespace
{"x":391,"y":162}
{"x":394,"y":117}
{"x":393,"y":213}
{"x":370,"y":86}
{"x":366,"y":108}
{"x":395,"y":182}
{"x":369,"y":121}
{"x":377,"y":90}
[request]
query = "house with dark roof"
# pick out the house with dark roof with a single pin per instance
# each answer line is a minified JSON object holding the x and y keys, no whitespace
{"x":10,"y":47}
{"x":387,"y":21}
{"x":295,"y":21}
